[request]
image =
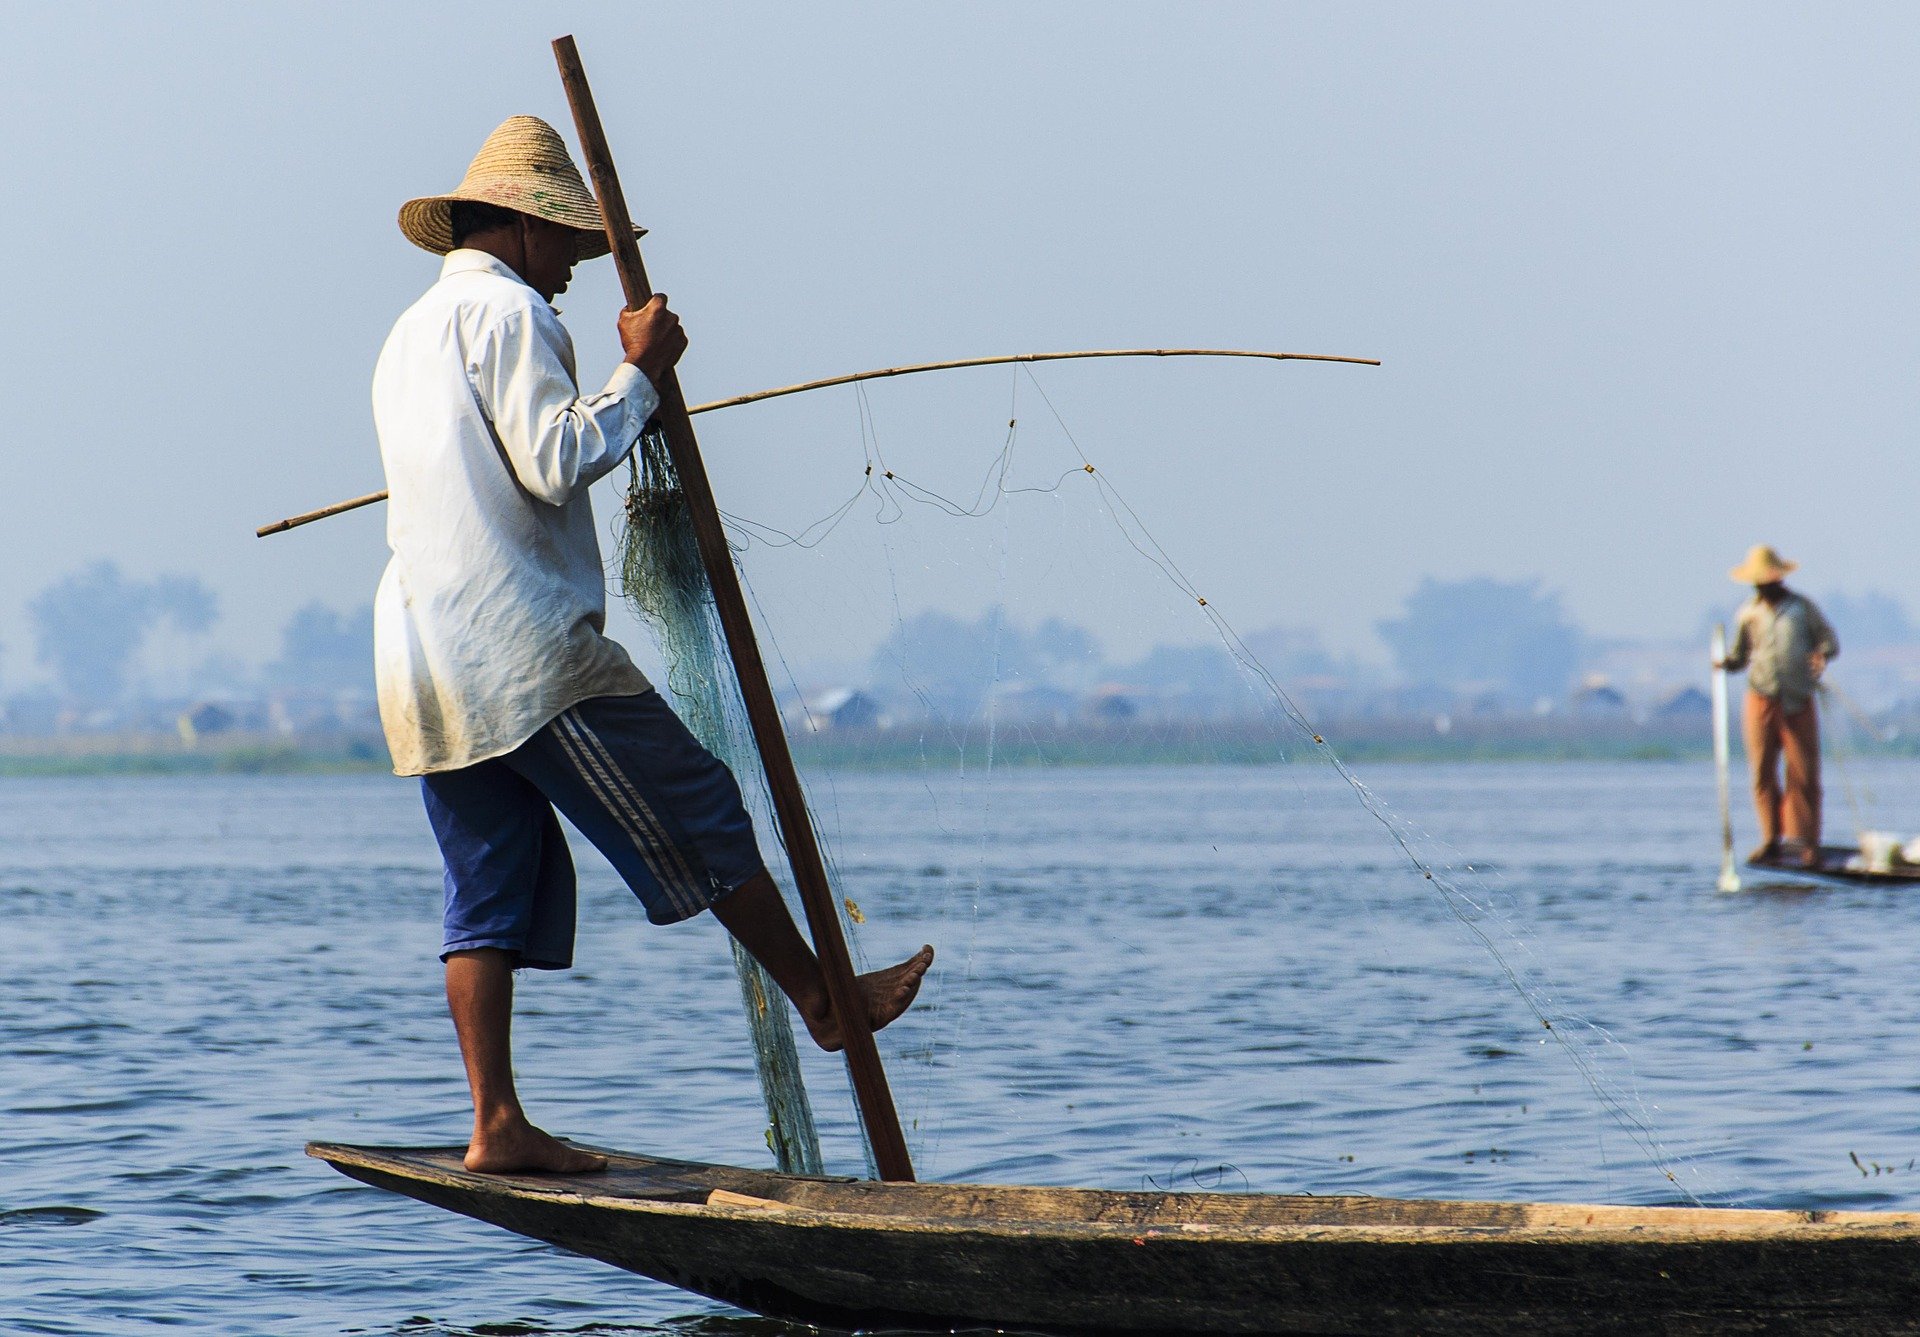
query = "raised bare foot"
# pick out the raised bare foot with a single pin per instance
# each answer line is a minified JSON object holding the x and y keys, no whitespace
{"x":888,"y":992}
{"x":517,"y":1147}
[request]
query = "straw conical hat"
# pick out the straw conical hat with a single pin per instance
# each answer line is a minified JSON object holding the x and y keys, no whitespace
{"x":1762,"y":567}
{"x":523,"y":166}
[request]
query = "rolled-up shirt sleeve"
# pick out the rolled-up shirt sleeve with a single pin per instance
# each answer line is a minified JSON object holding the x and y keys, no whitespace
{"x":557,"y":440}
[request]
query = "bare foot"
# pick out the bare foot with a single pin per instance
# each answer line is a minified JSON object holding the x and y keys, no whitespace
{"x":888,"y":992}
{"x":517,"y":1147}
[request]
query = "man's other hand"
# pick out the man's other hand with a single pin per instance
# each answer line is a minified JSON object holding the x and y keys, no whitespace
{"x":652,"y":338}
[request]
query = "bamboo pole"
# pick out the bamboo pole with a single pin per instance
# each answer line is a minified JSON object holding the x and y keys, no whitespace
{"x":914,"y":368}
{"x":308,"y":517}
{"x":911,"y":369}
{"x":790,"y":805}
{"x":1729,"y":875}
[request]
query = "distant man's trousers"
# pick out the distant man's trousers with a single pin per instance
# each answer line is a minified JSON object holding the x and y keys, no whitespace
{"x":1791,"y":810}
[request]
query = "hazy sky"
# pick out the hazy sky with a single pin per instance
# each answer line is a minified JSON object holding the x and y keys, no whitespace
{"x":1642,"y":276}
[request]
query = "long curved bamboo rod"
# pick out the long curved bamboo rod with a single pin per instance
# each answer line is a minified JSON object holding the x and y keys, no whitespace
{"x":915,"y":367}
{"x":910,"y":369}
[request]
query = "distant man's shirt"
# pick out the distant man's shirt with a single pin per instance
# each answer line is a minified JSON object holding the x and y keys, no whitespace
{"x":1776,"y":647}
{"x":490,"y":618}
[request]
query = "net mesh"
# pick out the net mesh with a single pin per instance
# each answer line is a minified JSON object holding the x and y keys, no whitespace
{"x":664,"y":581}
{"x":1037,"y":655}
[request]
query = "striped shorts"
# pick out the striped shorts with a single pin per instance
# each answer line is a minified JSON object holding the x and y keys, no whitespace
{"x":629,"y":776}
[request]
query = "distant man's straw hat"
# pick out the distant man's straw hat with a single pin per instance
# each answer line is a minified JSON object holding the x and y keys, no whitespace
{"x":1762,"y":567}
{"x":523,"y":166}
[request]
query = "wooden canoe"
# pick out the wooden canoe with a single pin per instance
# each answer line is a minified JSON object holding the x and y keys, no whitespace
{"x":844,"y":1253}
{"x":1832,"y":867}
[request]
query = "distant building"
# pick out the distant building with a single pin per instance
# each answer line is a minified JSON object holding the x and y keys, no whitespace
{"x":209,"y":717}
{"x":1687,"y":703}
{"x":1113,"y":704}
{"x":835,"y":708}
{"x":309,"y":711}
{"x":1596,"y":697}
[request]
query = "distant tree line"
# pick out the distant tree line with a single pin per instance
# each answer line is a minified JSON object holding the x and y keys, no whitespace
{"x":91,"y":626}
{"x":1486,"y":634}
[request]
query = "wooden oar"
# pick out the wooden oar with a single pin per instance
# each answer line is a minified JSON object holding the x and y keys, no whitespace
{"x":880,"y":374}
{"x":1729,"y":876}
{"x":790,"y":805}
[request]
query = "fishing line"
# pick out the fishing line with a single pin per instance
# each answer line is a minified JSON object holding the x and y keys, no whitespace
{"x":1830,"y":694}
{"x":952,"y":1001}
{"x":1463,"y":907}
{"x":893,"y":495}
{"x":1192,"y":1174}
{"x":883,"y":481}
{"x":665,"y":581}
{"x":1457,"y":901}
{"x":945,"y":1002}
{"x":843,"y":905}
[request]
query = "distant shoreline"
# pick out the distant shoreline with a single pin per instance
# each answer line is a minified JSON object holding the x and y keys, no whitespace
{"x":1024,"y":745}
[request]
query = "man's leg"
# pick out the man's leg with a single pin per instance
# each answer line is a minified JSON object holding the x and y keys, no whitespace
{"x":509,"y":902}
{"x":756,"y":914}
{"x":1760,"y":730}
{"x":627,"y":772}
{"x":480,"y":997}
{"x":1800,"y":733}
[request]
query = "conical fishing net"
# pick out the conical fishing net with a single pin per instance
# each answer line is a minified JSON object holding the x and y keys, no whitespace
{"x":1030,"y":735}
{"x":664,"y":581}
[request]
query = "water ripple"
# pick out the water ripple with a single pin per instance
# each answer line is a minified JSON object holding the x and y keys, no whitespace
{"x":1136,"y":987}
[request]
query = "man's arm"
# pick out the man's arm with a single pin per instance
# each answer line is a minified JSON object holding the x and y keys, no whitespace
{"x":1824,"y":639}
{"x":1826,"y":645}
{"x":1736,"y":659}
{"x":652,"y":338}
{"x":558,"y":440}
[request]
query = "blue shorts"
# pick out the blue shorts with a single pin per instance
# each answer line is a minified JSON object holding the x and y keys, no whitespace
{"x":628,"y":774}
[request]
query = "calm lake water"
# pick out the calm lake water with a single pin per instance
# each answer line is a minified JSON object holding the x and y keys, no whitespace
{"x":1182,"y":976}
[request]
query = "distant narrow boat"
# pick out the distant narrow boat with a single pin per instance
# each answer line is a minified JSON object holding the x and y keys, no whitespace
{"x":1833,"y":866}
{"x":845,"y":1253}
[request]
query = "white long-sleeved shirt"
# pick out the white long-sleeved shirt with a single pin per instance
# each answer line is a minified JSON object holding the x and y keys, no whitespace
{"x":490,"y":618}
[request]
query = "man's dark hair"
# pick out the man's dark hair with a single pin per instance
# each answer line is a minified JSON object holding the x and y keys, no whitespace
{"x":466,"y":217}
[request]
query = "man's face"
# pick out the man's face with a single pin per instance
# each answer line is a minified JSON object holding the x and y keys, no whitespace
{"x":550,"y":252}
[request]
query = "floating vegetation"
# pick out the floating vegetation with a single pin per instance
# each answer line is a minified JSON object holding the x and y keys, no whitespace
{"x":1869,"y":1169}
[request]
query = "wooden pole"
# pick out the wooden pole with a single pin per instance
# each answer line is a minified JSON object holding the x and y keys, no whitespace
{"x":915,"y":368}
{"x":912,"y":369}
{"x":308,"y":517}
{"x":790,"y":805}
{"x":1729,"y":875}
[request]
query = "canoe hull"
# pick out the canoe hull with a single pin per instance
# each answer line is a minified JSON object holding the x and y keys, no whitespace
{"x":1832,"y":866}
{"x":879,"y":1268}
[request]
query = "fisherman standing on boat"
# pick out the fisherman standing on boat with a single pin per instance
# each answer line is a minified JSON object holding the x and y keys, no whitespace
{"x":1784,"y":643}
{"x":497,"y":684}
